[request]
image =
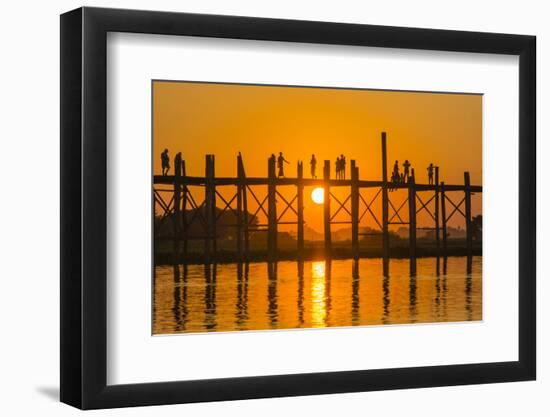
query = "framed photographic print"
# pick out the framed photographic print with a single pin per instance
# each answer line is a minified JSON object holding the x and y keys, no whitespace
{"x":258,"y":207}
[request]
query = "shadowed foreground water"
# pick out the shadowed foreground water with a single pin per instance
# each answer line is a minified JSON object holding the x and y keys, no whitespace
{"x":261,"y":296}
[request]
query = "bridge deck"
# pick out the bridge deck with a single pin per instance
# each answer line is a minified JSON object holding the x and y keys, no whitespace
{"x":306,"y":182}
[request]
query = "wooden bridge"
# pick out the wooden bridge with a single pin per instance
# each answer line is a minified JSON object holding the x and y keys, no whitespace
{"x":419,"y":196}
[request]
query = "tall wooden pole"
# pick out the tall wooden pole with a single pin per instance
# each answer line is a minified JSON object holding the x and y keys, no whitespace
{"x":443,"y":218}
{"x":184,"y":227}
{"x":354,"y":209}
{"x":177,"y":208}
{"x":300,"y":204}
{"x":210,"y":205}
{"x":436,"y":210}
{"x":385,"y":209}
{"x":244,"y":199}
{"x":468,"y":216}
{"x":271,"y":210}
{"x":240,"y":222}
{"x":326,"y":208}
{"x":412,"y":223}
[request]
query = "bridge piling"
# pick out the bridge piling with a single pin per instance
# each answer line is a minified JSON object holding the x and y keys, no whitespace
{"x":355,"y":209}
{"x":210,"y":207}
{"x":240,"y":214}
{"x":443,"y":218}
{"x":385,"y":209}
{"x":412,"y":223}
{"x":300,"y":209}
{"x":177,"y":208}
{"x":184,"y":228}
{"x":326,"y":208}
{"x":271,"y":209}
{"x":242,"y":176}
{"x":468,"y":218}
{"x":436,"y":210}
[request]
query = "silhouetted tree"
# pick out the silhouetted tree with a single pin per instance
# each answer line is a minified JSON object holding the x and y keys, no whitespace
{"x":477,"y":227}
{"x":225,"y":222}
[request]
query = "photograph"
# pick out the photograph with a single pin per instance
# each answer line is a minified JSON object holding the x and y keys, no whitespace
{"x":280,"y":207}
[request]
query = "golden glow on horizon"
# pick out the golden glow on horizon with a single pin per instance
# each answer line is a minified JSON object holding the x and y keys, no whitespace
{"x":318,"y":195}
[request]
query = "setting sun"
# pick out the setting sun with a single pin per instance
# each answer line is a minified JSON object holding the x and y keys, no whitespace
{"x":318,"y":195}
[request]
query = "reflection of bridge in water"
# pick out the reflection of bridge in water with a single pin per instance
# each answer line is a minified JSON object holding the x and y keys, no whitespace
{"x":315,"y":294}
{"x":174,"y":202}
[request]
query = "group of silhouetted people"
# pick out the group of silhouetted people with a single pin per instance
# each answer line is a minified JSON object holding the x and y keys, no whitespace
{"x":280,"y":161}
{"x":165,"y":161}
{"x":340,"y":165}
{"x":405,"y":176}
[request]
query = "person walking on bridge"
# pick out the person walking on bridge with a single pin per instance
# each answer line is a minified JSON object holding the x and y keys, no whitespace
{"x":177,"y":163}
{"x":431,"y":174}
{"x":313,"y":163}
{"x":165,"y":160}
{"x":406,"y":166}
{"x":395,"y":173}
{"x":342,"y":167}
{"x":280,"y":165}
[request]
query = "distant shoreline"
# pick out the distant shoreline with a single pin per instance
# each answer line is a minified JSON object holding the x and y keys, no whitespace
{"x":313,"y":254}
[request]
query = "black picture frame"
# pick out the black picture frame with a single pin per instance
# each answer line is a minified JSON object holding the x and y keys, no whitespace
{"x":84,"y":207}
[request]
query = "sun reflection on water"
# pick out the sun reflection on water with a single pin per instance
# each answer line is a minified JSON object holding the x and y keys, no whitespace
{"x":318,"y":302}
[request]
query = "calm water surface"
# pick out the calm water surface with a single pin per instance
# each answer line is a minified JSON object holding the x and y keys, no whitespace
{"x":290,"y":294}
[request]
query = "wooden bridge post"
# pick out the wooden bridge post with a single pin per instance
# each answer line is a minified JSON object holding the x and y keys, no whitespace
{"x":300,"y":204}
{"x":240,"y":223}
{"x":271,"y":210}
{"x":443,"y":218}
{"x":184,"y":227}
{"x":177,"y":208}
{"x":242,"y":178}
{"x":468,"y":213}
{"x":436,"y":209}
{"x":210,"y":206}
{"x":412,"y":223}
{"x":354,"y":209}
{"x":385,"y":209}
{"x":326,"y":208}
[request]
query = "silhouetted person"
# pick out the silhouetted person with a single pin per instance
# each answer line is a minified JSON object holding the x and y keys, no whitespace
{"x":342,"y":166}
{"x":280,"y":164}
{"x":431,"y":174}
{"x":165,"y":159}
{"x":313,"y":163}
{"x":395,"y":173}
{"x":337,"y":166}
{"x":177,"y":163}
{"x":406,"y":166}
{"x":395,"y":177}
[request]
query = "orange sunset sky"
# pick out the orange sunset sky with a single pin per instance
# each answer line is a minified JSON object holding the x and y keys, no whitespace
{"x":223,"y":119}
